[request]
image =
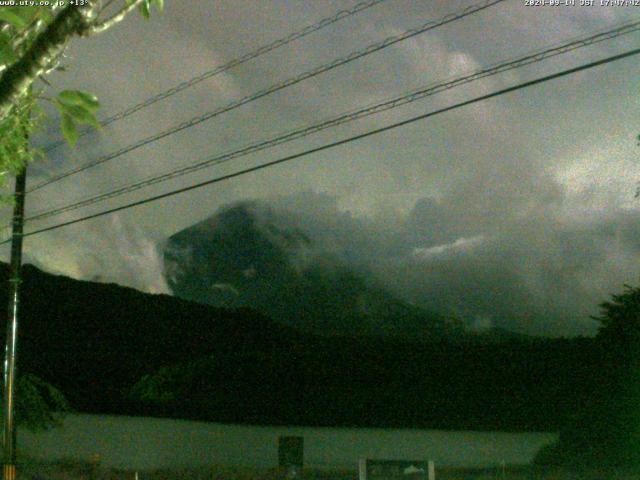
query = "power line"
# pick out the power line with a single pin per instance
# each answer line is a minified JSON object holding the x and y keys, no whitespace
{"x":413,"y":96}
{"x":339,"y":142}
{"x":276,"y":87}
{"x":325,"y":22}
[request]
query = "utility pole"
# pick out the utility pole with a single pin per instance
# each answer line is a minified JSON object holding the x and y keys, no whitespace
{"x":8,"y":418}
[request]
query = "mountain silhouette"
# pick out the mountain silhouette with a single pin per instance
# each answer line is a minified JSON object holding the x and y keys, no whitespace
{"x":251,"y":255}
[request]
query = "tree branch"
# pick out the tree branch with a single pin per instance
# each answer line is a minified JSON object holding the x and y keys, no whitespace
{"x":49,"y":45}
{"x":36,"y":28}
{"x":17,"y":79}
{"x":116,"y":18}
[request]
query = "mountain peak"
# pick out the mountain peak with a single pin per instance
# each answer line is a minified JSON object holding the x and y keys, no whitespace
{"x":252,"y":254}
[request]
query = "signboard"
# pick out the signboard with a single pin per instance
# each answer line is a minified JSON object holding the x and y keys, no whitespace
{"x":396,"y":470}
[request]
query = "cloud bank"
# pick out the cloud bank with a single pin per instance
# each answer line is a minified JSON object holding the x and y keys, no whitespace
{"x":516,"y":212}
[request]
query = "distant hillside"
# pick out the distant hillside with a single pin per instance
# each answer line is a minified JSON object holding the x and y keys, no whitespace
{"x":95,"y":340}
{"x":252,"y":255}
{"x":112,"y":349}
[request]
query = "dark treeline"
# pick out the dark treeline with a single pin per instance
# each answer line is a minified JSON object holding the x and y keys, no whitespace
{"x":606,"y":430}
{"x":112,"y":349}
{"x":512,"y":386}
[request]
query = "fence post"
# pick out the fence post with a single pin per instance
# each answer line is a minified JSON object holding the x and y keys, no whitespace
{"x":362,"y":469}
{"x":432,"y":470}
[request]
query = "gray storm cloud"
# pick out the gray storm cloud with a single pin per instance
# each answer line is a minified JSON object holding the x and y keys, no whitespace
{"x":516,"y":212}
{"x":537,"y":274}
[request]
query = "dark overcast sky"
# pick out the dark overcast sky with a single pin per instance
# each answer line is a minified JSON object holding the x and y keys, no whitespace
{"x":518,"y":211}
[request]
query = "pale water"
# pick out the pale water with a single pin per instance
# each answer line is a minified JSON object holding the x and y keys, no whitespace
{"x":145,"y":443}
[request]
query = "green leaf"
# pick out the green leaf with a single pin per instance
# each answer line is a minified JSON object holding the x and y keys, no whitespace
{"x":46,"y":14}
{"x":6,"y":38}
{"x":82,"y":99}
{"x":81,"y":115}
{"x":159,"y":4}
{"x":40,"y":405}
{"x":7,"y":14}
{"x":69,"y":130}
{"x":6,"y":126}
{"x":7,"y":55}
{"x":145,"y":9}
{"x":28,"y":13}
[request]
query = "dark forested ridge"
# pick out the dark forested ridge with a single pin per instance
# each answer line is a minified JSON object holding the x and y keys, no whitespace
{"x":95,"y":340}
{"x":113,"y":349}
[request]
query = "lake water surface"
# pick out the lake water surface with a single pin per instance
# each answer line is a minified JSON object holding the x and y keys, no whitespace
{"x":145,"y":443}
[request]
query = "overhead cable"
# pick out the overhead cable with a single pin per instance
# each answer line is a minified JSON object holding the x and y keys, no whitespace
{"x":325,"y":22}
{"x":274,"y":88}
{"x":337,"y":143}
{"x":413,"y":96}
